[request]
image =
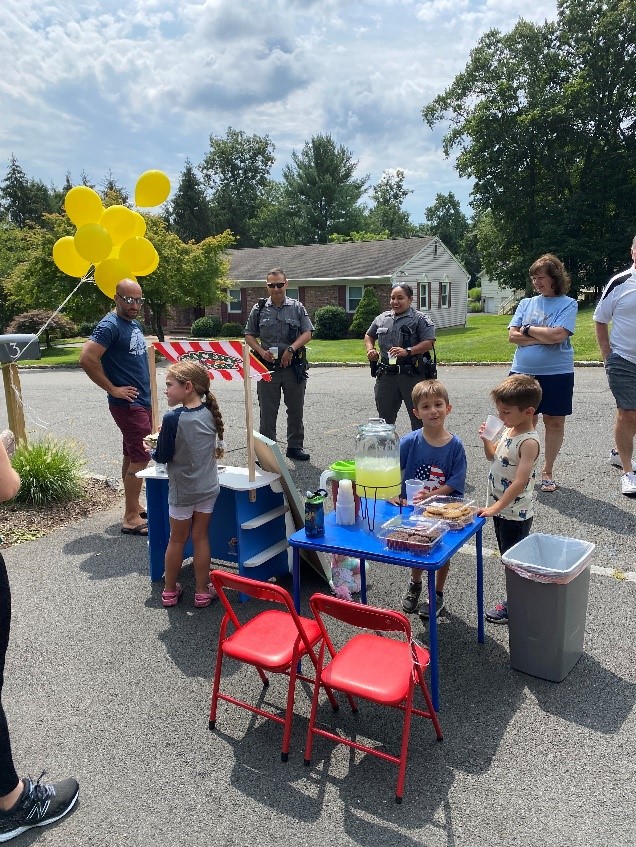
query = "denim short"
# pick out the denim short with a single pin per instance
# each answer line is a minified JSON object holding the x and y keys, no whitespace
{"x":557,"y":391}
{"x":621,"y":376}
{"x":184,"y":513}
{"x":135,"y":423}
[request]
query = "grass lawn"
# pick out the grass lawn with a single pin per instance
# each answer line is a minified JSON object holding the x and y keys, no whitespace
{"x":484,"y":339}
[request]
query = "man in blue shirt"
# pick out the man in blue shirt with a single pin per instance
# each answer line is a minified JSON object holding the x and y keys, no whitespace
{"x":115,"y":358}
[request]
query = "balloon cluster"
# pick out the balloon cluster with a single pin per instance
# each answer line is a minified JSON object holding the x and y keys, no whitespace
{"x":111,"y":239}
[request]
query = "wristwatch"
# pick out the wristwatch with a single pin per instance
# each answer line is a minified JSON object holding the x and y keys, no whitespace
{"x":408,"y":351}
{"x":291,"y":350}
{"x":525,"y":329}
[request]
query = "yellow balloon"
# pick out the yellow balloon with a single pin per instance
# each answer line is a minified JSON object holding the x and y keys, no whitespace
{"x":138,"y":252}
{"x":83,"y":205}
{"x":140,"y":224}
{"x":67,"y":259}
{"x":152,"y":189}
{"x":109,"y":272}
{"x":120,"y":223}
{"x":93,"y":242}
{"x":151,"y":266}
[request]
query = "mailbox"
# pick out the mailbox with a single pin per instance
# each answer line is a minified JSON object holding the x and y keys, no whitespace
{"x":14,"y":348}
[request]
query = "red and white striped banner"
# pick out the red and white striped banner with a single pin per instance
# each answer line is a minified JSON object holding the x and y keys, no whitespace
{"x":221,"y":358}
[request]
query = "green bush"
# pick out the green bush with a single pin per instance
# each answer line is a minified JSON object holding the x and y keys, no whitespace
{"x":87,"y":328}
{"x":51,"y":472}
{"x":232,"y":330}
{"x":474,"y":293}
{"x":475,"y":306}
{"x":59,"y":326}
{"x":368,"y":309}
{"x":330,"y":323}
{"x":209,"y":326}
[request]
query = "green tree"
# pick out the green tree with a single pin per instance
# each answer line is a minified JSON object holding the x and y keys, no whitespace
{"x":387,"y":214}
{"x":368,"y":308}
{"x":112,"y":193}
{"x":274,"y":223}
{"x":187,"y":275}
{"x":236,"y":170}
{"x":543,"y":121}
{"x":322,"y":191}
{"x":24,"y":200}
{"x":31,"y":322}
{"x":189,"y":211}
{"x":34,"y":281}
{"x":446,"y":220}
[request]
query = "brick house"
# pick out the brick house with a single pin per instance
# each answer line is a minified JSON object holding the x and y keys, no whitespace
{"x":336,"y":275}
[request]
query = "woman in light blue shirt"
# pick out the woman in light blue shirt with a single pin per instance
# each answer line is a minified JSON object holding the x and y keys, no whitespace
{"x":541,"y":328}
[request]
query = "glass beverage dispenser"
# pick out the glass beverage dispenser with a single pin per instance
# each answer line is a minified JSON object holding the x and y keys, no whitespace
{"x":378,"y":460}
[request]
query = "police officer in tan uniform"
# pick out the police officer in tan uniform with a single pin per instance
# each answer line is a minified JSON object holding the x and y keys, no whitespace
{"x":282,"y":323}
{"x":404,"y":337}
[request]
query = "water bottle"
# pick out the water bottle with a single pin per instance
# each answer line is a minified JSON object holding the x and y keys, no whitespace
{"x":345,"y":504}
{"x":315,"y":513}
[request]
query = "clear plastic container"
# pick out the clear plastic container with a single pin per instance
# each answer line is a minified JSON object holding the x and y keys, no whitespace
{"x":413,"y":534}
{"x":455,"y":512}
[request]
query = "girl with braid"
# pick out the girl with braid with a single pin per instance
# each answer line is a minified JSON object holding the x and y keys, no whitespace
{"x":190,"y":442}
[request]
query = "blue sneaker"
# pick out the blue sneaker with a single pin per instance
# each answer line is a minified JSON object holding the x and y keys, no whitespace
{"x":499,"y":613}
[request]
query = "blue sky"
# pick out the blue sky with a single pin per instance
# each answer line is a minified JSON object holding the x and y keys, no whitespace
{"x":103,"y":86}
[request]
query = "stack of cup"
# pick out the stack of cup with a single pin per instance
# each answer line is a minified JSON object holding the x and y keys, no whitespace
{"x":345,"y":504}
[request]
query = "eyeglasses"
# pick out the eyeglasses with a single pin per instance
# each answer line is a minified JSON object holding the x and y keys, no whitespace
{"x":276,"y":284}
{"x":139,"y":301}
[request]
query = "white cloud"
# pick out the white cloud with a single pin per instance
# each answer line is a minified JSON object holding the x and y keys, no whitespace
{"x":102,"y":85}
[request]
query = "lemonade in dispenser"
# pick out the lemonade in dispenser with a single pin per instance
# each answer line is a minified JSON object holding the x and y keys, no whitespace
{"x":377,"y":460}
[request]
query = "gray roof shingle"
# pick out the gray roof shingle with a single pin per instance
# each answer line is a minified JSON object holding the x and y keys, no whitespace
{"x":351,"y":260}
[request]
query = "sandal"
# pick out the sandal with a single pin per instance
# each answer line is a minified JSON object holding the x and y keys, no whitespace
{"x":171,"y":598}
{"x":548,"y":486}
{"x":203,"y":600}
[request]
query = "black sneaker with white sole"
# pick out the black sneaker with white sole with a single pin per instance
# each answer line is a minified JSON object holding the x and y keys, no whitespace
{"x":412,"y":597}
{"x":39,"y":804}
{"x":424,"y":611}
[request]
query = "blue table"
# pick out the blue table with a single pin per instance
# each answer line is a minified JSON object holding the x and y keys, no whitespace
{"x":358,"y":541}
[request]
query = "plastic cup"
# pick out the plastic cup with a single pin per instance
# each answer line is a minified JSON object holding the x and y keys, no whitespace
{"x":412,"y":487}
{"x":492,"y":428}
{"x":393,"y":360}
{"x":274,"y":352}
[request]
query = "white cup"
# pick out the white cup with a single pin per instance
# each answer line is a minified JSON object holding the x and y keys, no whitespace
{"x":274,"y":352}
{"x":393,"y":360}
{"x":492,"y":428}
{"x":412,"y":487}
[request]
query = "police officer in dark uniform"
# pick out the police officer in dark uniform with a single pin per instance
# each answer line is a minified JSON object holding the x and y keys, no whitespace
{"x":404,"y":337}
{"x":283,"y":328}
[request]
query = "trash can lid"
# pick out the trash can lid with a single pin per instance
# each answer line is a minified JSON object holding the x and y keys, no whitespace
{"x":545,"y":554}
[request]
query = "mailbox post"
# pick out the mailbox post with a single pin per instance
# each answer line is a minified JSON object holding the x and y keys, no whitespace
{"x":14,"y":348}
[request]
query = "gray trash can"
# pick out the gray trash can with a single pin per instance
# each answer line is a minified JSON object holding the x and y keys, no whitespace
{"x":547,"y":583}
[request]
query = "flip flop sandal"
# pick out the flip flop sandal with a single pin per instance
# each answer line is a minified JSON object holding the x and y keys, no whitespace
{"x":203,"y":600}
{"x":171,"y":598}
{"x":548,"y":486}
{"x":142,"y":529}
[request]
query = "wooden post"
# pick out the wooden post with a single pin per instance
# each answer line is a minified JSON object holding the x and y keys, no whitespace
{"x":15,"y":410}
{"x":247,"y":390}
{"x":154,"y":399}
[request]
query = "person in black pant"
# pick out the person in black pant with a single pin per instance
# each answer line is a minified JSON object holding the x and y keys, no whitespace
{"x":23,"y":803}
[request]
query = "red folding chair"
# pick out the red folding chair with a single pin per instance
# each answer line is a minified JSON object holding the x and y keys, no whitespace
{"x":377,"y":668}
{"x":274,"y":640}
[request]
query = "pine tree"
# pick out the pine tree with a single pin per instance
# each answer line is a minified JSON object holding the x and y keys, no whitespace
{"x":189,"y":211}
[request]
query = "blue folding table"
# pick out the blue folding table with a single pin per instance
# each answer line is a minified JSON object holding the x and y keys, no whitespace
{"x":363,"y":543}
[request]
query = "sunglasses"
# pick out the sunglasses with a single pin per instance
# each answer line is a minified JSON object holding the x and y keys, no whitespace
{"x":139,"y":301}
{"x":276,"y":284}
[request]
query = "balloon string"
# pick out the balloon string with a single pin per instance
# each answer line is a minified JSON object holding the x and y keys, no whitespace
{"x":36,"y":419}
{"x":87,"y":276}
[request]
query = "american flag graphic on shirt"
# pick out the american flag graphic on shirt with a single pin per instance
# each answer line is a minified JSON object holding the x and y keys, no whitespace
{"x":432,"y":477}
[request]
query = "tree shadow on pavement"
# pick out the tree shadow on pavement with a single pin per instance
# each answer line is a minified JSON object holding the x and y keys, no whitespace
{"x":109,"y":554}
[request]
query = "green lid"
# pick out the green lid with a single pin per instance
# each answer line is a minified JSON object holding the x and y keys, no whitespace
{"x":344,"y":469}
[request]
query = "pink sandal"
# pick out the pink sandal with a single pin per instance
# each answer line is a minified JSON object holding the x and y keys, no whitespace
{"x":203,"y":600}
{"x":171,"y":598}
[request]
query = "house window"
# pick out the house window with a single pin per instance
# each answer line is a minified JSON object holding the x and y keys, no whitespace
{"x":234,"y":304}
{"x":424,"y":295}
{"x":292,"y":293}
{"x":354,"y":295}
{"x":444,"y":292}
